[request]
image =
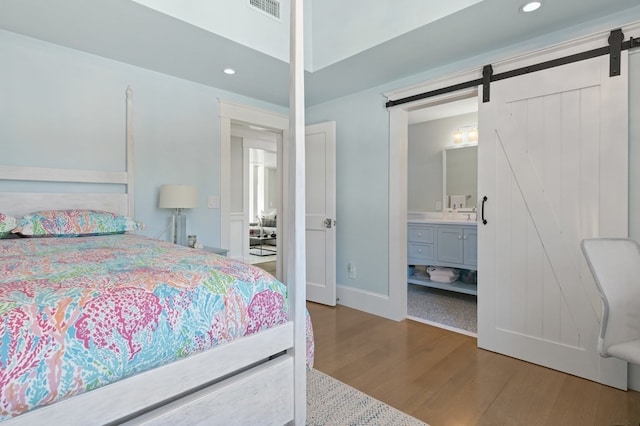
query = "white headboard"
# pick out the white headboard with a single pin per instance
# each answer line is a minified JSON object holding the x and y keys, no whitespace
{"x":18,"y":203}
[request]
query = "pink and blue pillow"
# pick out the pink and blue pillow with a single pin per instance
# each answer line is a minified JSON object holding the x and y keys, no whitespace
{"x":74,"y":223}
{"x":7,"y":224}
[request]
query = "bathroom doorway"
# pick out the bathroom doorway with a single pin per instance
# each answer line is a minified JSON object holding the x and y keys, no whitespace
{"x":442,"y":138}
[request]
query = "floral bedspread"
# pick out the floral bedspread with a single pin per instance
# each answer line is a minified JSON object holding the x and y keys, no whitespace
{"x":78,"y":313}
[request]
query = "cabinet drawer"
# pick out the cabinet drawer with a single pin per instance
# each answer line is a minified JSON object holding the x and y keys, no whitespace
{"x":420,"y":251}
{"x":421,"y":234}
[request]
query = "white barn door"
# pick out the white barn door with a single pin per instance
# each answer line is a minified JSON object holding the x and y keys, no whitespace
{"x":320,"y":149}
{"x":552,"y":162}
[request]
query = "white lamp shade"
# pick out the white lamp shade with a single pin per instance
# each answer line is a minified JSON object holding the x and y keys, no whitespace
{"x":178,"y":197}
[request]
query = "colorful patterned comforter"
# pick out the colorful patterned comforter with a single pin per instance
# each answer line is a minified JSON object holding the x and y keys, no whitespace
{"x":78,"y":313}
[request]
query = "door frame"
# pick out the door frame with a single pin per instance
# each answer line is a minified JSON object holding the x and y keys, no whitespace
{"x":398,"y":191}
{"x":252,"y":139}
{"x":398,"y":144}
{"x":230,"y":112}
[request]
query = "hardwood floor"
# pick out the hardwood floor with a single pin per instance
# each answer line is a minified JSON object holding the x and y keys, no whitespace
{"x":270,"y":267}
{"x":442,"y":378}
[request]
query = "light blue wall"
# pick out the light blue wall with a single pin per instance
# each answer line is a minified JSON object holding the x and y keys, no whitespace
{"x":64,"y":108}
{"x":362,"y":125}
{"x":362,"y":186}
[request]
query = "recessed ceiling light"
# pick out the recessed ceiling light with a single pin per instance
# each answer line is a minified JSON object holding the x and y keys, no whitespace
{"x":531,"y":6}
{"x":229,"y":71}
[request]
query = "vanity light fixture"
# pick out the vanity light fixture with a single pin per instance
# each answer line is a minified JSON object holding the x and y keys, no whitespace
{"x":457,"y":137}
{"x":229,"y":71}
{"x":531,"y":6}
{"x":472,"y":135}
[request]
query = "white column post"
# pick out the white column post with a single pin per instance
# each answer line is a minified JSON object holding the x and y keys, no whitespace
{"x":296,"y":259}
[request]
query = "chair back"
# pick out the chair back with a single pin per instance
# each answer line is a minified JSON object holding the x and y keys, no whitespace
{"x":615,"y":265}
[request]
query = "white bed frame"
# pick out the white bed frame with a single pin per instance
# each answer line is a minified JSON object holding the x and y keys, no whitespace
{"x":258,"y":379}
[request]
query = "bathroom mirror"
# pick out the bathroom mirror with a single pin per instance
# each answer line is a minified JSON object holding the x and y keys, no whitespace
{"x":460,"y":175}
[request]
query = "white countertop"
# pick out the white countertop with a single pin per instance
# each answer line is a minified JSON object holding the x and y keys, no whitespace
{"x":444,"y":221}
{"x":437,"y":218}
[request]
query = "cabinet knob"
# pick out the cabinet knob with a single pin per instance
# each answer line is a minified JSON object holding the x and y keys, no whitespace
{"x":464,"y":238}
{"x":459,"y":237}
{"x":419,"y":234}
{"x":419,"y":250}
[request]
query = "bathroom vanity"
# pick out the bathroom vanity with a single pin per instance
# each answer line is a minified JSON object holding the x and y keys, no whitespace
{"x":441,"y":242}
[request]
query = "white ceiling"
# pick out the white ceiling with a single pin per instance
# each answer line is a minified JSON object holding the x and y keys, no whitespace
{"x":354,"y":47}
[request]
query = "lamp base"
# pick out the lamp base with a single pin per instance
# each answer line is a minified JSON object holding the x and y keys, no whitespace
{"x":179,"y":226}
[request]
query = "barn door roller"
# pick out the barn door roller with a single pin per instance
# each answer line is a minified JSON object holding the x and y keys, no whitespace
{"x":487,"y":73}
{"x":615,"y":48}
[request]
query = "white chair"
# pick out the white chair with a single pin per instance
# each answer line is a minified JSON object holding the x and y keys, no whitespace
{"x":615,"y":265}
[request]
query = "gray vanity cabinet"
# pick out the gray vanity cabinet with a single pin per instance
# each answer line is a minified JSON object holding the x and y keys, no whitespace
{"x":470,"y":247}
{"x":421,"y":241}
{"x":452,"y":245}
{"x":457,"y":246}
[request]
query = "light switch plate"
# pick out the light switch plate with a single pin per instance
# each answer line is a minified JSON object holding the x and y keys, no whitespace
{"x":213,"y":202}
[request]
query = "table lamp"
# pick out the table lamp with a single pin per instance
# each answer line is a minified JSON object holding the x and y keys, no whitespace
{"x":178,"y":197}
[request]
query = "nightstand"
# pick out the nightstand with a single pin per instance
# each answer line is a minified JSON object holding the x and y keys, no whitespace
{"x":216,"y":250}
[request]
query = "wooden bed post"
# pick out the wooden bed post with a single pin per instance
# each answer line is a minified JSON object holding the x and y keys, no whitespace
{"x":296,"y":258}
{"x":129,"y":161}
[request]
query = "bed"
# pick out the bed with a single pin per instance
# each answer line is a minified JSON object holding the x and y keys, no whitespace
{"x":247,"y":343}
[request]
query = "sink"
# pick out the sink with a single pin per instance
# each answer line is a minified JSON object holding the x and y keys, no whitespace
{"x":461,"y":216}
{"x":443,"y":217}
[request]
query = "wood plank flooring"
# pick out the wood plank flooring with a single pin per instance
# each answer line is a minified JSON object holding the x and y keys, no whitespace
{"x":270,"y":266}
{"x":442,"y":378}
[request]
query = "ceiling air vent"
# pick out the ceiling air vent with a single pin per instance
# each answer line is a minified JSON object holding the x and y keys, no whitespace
{"x":268,"y":7}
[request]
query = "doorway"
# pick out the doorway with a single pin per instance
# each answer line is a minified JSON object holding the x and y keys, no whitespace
{"x":255,"y":195}
{"x":441,"y":194}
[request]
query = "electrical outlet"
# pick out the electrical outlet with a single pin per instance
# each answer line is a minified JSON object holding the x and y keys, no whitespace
{"x":438,"y":205}
{"x":351,"y":268}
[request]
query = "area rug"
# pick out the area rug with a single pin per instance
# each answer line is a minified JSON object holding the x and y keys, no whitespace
{"x":331,"y":402}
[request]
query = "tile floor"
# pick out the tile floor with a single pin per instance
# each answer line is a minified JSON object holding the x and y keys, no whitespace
{"x":447,"y":309}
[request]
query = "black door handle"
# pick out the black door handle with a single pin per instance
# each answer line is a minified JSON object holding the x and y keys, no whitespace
{"x":484,"y":200}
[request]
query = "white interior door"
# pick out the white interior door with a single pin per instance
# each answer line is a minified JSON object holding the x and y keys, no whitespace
{"x":320,"y":146}
{"x":553,"y":165}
